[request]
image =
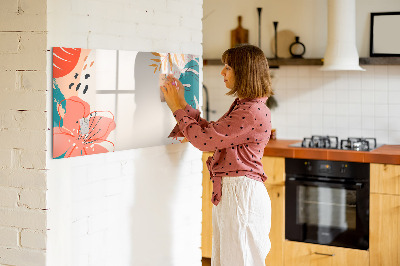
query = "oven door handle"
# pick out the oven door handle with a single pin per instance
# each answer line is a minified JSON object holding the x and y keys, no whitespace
{"x":357,"y":185}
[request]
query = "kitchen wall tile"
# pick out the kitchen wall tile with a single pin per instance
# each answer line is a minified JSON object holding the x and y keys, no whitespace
{"x":381,"y":84}
{"x":304,"y":72}
{"x":342,"y":109}
{"x":317,"y":120}
{"x":367,"y":133}
{"x":293,"y":120}
{"x":394,"y":137}
{"x":394,"y":96}
{"x":394,"y":110}
{"x":315,"y":72}
{"x":368,"y":122}
{"x":355,"y":122}
{"x":278,"y":83}
{"x":381,"y":110}
{"x":328,"y":74}
{"x":367,"y":96}
{"x":317,"y":131}
{"x":304,"y":109}
{"x":355,"y":109}
{"x":354,"y":82}
{"x":342,"y":133}
{"x":329,"y":109}
{"x":342,"y":80}
{"x":342,"y":122}
{"x":367,"y":82}
{"x":329,"y":122}
{"x":366,"y":99}
{"x":380,"y":71}
{"x":355,"y":96}
{"x":382,"y":136}
{"x":355,"y":132}
{"x":394,"y":71}
{"x":367,"y":110}
{"x":317,"y":95}
{"x":317,"y":108}
{"x":329,"y":93}
{"x":394,"y":123}
{"x":381,"y":97}
{"x":316,"y":82}
{"x":394,"y":82}
{"x":382,"y":123}
{"x":304,"y":82}
{"x":292,"y":83}
{"x":291,"y":71}
{"x":342,"y":96}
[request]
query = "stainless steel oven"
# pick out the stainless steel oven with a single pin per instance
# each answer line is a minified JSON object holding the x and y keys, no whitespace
{"x":327,"y":202}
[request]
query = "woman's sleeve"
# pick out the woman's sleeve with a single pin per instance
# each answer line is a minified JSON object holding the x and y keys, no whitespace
{"x":193,"y":113}
{"x":235,"y":129}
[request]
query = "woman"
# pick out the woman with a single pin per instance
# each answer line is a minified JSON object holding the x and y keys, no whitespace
{"x":242,"y":207}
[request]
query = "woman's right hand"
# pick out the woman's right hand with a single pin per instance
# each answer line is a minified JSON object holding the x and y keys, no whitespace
{"x":181,"y":91}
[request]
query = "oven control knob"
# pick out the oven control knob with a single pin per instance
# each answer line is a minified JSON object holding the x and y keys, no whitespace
{"x":343,"y":168}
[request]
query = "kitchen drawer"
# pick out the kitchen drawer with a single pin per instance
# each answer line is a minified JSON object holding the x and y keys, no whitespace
{"x":305,"y":254}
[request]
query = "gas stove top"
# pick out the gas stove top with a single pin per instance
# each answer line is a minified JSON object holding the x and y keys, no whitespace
{"x":332,"y":142}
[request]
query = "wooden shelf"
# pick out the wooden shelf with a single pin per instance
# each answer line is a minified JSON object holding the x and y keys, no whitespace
{"x":380,"y":61}
{"x":273,"y":63}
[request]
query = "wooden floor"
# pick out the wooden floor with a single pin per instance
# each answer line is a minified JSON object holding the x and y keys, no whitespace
{"x":206,"y":261}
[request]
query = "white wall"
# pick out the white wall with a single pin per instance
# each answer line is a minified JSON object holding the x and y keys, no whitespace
{"x":22,"y":132}
{"x":311,"y":102}
{"x":305,"y":18}
{"x":134,"y":207}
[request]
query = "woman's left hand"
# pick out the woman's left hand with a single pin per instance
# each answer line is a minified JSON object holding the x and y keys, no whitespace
{"x":171,"y":95}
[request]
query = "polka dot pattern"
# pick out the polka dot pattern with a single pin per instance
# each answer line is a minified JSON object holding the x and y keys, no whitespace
{"x":238,"y":139}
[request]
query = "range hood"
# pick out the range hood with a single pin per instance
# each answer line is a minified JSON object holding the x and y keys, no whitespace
{"x":341,"y":51}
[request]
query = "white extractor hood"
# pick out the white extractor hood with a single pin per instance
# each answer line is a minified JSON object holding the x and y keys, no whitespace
{"x":341,"y":51}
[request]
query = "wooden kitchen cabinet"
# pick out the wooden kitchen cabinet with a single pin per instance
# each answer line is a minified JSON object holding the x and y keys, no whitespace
{"x":306,"y":254}
{"x":277,"y":233}
{"x":274,"y":168}
{"x":384,"y":236}
{"x":206,"y":225}
{"x":385,"y":178}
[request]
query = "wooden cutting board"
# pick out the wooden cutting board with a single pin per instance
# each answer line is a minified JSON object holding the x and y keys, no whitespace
{"x":239,"y":35}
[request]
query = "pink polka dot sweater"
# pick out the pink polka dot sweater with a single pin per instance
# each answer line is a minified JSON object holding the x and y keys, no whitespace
{"x":238,"y":139}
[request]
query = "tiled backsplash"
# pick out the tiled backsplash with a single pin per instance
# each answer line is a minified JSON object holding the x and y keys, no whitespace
{"x":314,"y":102}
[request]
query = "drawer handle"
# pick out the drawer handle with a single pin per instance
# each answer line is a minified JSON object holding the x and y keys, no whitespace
{"x":325,"y":254}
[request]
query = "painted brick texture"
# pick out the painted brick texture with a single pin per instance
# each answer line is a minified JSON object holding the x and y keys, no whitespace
{"x":23,"y":132}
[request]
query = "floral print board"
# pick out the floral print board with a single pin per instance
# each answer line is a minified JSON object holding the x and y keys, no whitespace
{"x":109,"y":100}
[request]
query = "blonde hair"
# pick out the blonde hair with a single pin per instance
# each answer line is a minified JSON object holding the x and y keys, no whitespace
{"x":250,"y":66}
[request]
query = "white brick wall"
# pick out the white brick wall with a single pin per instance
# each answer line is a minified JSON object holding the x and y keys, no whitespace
{"x":100,"y":207}
{"x":23,"y":132}
{"x":134,"y":207}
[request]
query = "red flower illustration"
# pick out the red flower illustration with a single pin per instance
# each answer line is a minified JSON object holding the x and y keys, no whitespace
{"x":82,"y":130}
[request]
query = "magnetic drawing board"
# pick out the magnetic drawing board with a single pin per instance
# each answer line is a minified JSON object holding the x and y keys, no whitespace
{"x":110,"y":100}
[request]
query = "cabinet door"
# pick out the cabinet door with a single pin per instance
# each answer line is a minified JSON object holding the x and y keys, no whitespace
{"x":206,"y":232}
{"x":305,"y":254}
{"x":274,"y":168}
{"x":385,"y":178}
{"x":277,"y":233}
{"x":384,"y":236}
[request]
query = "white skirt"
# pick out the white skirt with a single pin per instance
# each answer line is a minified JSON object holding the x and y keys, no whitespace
{"x":241,"y":223}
